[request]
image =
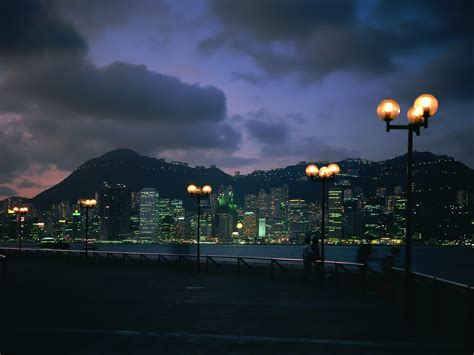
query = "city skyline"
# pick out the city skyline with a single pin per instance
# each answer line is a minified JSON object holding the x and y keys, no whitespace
{"x":263,"y":90}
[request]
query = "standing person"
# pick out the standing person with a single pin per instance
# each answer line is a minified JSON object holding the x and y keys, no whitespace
{"x":316,"y":254}
{"x":307,"y":258}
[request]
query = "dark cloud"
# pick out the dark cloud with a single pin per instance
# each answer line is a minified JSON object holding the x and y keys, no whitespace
{"x":119,"y":91}
{"x":315,"y":38}
{"x":308,"y":148}
{"x":93,"y":17}
{"x":30,"y":26}
{"x":235,"y":162}
{"x":7,"y":191}
{"x":448,"y":76}
{"x":282,"y":19}
{"x":264,"y":128}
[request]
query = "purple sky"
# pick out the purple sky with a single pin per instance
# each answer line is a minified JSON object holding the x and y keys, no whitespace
{"x":243,"y":84}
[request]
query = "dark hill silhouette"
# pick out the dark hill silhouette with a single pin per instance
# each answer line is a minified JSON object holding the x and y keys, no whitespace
{"x":431,"y":172}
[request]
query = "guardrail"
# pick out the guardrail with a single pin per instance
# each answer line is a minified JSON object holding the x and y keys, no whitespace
{"x":442,"y":309}
{"x":335,"y":271}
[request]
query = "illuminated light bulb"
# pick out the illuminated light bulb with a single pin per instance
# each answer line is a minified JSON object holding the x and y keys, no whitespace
{"x":192,"y":189}
{"x":415,"y":115}
{"x":312,"y":170}
{"x":428,"y":104}
{"x":324,"y":172}
{"x":206,"y":189}
{"x":388,"y":110}
{"x":334,"y":169}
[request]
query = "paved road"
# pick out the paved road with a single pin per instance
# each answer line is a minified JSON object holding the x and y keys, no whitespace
{"x":53,"y":307}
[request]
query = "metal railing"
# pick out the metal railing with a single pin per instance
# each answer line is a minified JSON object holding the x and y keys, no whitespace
{"x":442,"y":309}
{"x":336,"y":271}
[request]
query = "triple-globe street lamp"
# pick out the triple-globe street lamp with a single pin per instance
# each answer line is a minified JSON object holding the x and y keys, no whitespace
{"x":424,"y":107}
{"x":87,"y":204}
{"x":199,"y":193}
{"x":323,"y":174}
{"x":418,"y":116}
{"x":20,"y":212}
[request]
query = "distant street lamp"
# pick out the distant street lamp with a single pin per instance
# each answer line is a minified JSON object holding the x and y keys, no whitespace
{"x":418,"y":115}
{"x":199,"y":192}
{"x":87,"y":204}
{"x":325,"y":173}
{"x":19,"y":212}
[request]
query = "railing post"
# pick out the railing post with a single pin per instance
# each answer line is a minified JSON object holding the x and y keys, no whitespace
{"x":238,"y":265}
{"x":271,"y":269}
{"x":363,"y":280}
{"x":336,"y":273}
{"x":469,"y":341}
{"x":435,"y":308}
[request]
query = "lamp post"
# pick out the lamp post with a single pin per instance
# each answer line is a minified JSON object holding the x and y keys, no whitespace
{"x":324,"y":174}
{"x":19,"y":211}
{"x":199,"y":192}
{"x":418,"y":116}
{"x":87,"y":204}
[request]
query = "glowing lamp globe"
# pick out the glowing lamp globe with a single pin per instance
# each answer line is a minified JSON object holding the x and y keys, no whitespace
{"x":388,"y":110}
{"x":334,"y":169}
{"x":311,"y":170}
{"x":428,"y":104}
{"x":324,"y":172}
{"x":240,"y":225}
{"x":192,"y":189}
{"x":415,"y":115}
{"x":206,"y":189}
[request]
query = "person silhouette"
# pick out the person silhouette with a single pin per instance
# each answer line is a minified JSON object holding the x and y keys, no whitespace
{"x":307,"y":258}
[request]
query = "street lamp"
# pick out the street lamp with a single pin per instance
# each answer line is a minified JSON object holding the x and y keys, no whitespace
{"x":418,"y":115}
{"x":87,"y":204}
{"x":199,"y":192}
{"x":19,"y":211}
{"x":323,"y":174}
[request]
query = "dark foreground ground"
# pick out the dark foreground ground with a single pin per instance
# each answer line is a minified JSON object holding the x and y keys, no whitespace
{"x":50,"y":306}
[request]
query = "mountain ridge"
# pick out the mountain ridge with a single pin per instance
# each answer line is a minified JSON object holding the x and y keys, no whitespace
{"x":171,"y":178}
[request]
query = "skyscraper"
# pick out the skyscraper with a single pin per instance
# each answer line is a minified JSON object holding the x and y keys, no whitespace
{"x":114,"y":211}
{"x":335,"y":213}
{"x":298,"y":219}
{"x":149,"y":217}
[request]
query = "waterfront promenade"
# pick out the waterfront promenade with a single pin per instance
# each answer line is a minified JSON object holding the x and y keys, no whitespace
{"x":52,"y":306}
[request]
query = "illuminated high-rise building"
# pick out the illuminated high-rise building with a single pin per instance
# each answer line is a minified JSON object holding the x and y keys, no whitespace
{"x":335,"y":213}
{"x":297,"y":219}
{"x":177,"y":209}
{"x":165,"y":216}
{"x":352,"y":220}
{"x":226,"y":227}
{"x":278,"y":201}
{"x":399,"y":218}
{"x":249,"y":222}
{"x":263,"y":204}
{"x":251,"y":203}
{"x":114,"y":211}
{"x":149,"y":213}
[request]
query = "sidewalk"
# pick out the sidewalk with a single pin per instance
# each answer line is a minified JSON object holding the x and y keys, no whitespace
{"x":50,"y":306}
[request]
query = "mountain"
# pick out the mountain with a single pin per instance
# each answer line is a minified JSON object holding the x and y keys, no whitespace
{"x":124,"y":166}
{"x":437,"y":177}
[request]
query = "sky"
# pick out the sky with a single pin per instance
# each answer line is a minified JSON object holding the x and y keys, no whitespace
{"x":242,"y":84}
